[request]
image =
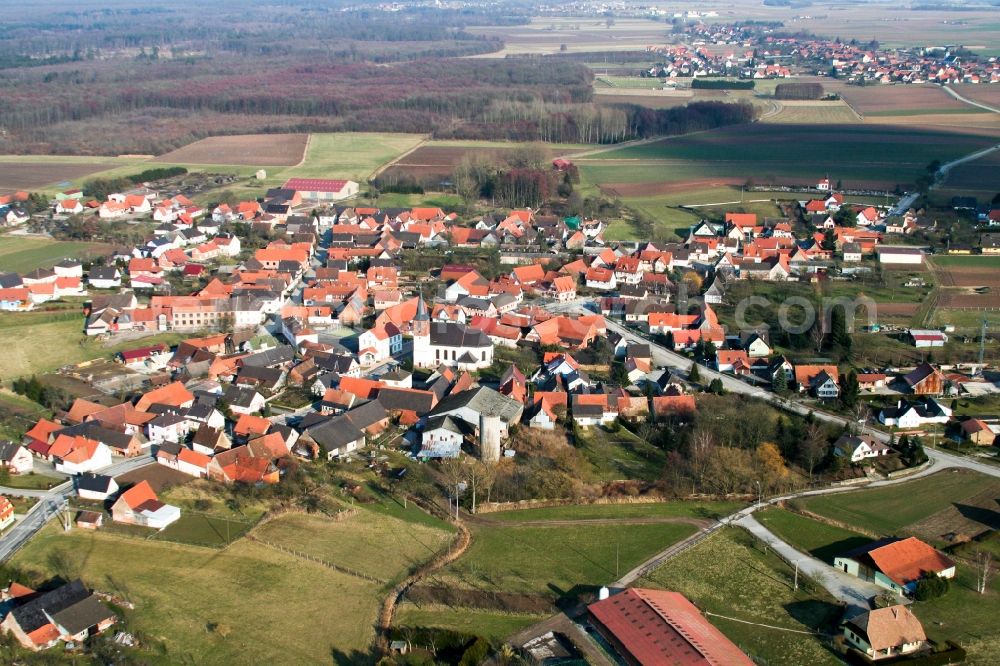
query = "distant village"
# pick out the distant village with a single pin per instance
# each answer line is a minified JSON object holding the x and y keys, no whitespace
{"x":754,"y":51}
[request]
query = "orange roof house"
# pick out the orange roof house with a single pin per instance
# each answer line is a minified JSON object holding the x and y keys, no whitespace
{"x":173,"y":394}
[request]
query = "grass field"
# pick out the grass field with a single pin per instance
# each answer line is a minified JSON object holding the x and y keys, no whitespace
{"x":204,"y":530}
{"x":378,"y":545}
{"x":820,"y":540}
{"x":974,"y":261}
{"x":640,"y":510}
{"x":728,"y":575}
{"x":620,"y":455}
{"x":556,"y":561}
{"x":888,"y":510}
{"x":212,"y":607}
{"x":491,"y":624}
{"x":61,"y":335}
{"x":20,"y":254}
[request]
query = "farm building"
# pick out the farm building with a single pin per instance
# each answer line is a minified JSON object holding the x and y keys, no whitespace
{"x":661,"y":627}
{"x":322,"y":189}
{"x":885,"y":632}
{"x":900,"y":255}
{"x":895,"y":564}
{"x":927,"y":338}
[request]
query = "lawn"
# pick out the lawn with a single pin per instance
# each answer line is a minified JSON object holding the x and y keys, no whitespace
{"x":20,"y":254}
{"x":728,"y":574}
{"x":889,"y":510}
{"x":677,"y":509}
{"x":822,"y":541}
{"x":556,"y":561}
{"x":200,"y":529}
{"x":620,"y":455}
{"x":374,"y":544}
{"x":31,"y":481}
{"x":491,"y":624}
{"x":61,"y":335}
{"x":965,"y":616}
{"x":247,"y":602}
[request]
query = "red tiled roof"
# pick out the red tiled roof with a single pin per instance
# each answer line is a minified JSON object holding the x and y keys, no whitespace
{"x":907,"y":560}
{"x":661,"y":627}
{"x":314,"y":184}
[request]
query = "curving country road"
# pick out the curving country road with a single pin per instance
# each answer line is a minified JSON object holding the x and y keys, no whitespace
{"x":854,"y":592}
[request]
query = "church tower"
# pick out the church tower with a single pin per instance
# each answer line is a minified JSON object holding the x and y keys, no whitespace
{"x":421,"y":329}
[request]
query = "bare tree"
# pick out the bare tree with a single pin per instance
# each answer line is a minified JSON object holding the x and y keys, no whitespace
{"x":818,"y":333}
{"x":813,"y":448}
{"x":454,"y":472}
{"x":984,"y":569}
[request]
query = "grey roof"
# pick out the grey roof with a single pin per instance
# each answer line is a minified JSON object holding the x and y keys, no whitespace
{"x":270,"y":357}
{"x":93,"y":430}
{"x":104,"y":273}
{"x":456,"y":426}
{"x":335,"y":434}
{"x":260,"y":375}
{"x":483,"y":400}
{"x":394,"y":399}
{"x":59,"y":604}
{"x":447,"y":334}
{"x":97,"y":483}
{"x":239,"y":397}
{"x":8,"y":450}
{"x":84,"y":614}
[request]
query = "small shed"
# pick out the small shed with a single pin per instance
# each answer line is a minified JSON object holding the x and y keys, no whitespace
{"x":89,"y":520}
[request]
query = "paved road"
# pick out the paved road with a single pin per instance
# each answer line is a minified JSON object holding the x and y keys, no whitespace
{"x":842,"y":586}
{"x":50,"y":503}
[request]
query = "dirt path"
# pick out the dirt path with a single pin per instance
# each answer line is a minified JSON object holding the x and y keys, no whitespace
{"x":455,"y":550}
{"x":398,"y":159}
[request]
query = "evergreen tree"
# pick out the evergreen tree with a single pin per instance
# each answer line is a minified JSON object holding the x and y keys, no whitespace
{"x":850,"y":389}
{"x":694,"y":375}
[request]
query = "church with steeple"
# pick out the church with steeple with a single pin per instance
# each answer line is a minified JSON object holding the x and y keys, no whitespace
{"x":437,"y":343}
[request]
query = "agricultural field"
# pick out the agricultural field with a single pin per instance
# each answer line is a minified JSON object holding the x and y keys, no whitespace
{"x":890,"y":156}
{"x":547,"y":35}
{"x":213,"y":607}
{"x":242,"y":149}
{"x":437,"y":159}
{"x":30,"y":174}
{"x":893,"y":100}
{"x":808,"y":112}
{"x":822,"y":541}
{"x":984,"y":94}
{"x":21,"y":254}
{"x":974,"y":179}
{"x":730,"y":575}
{"x":931,"y":507}
{"x":967,"y":283}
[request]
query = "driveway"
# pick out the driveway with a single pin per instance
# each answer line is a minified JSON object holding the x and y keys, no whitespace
{"x":851,"y":590}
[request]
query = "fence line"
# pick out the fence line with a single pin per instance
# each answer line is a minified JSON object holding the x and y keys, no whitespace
{"x":305,"y":556}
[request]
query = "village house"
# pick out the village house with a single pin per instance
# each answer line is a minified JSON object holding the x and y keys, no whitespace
{"x":69,"y":613}
{"x":139,"y":505}
{"x":883,"y":633}
{"x":896,"y":564}
{"x":860,"y":448}
{"x":16,"y":459}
